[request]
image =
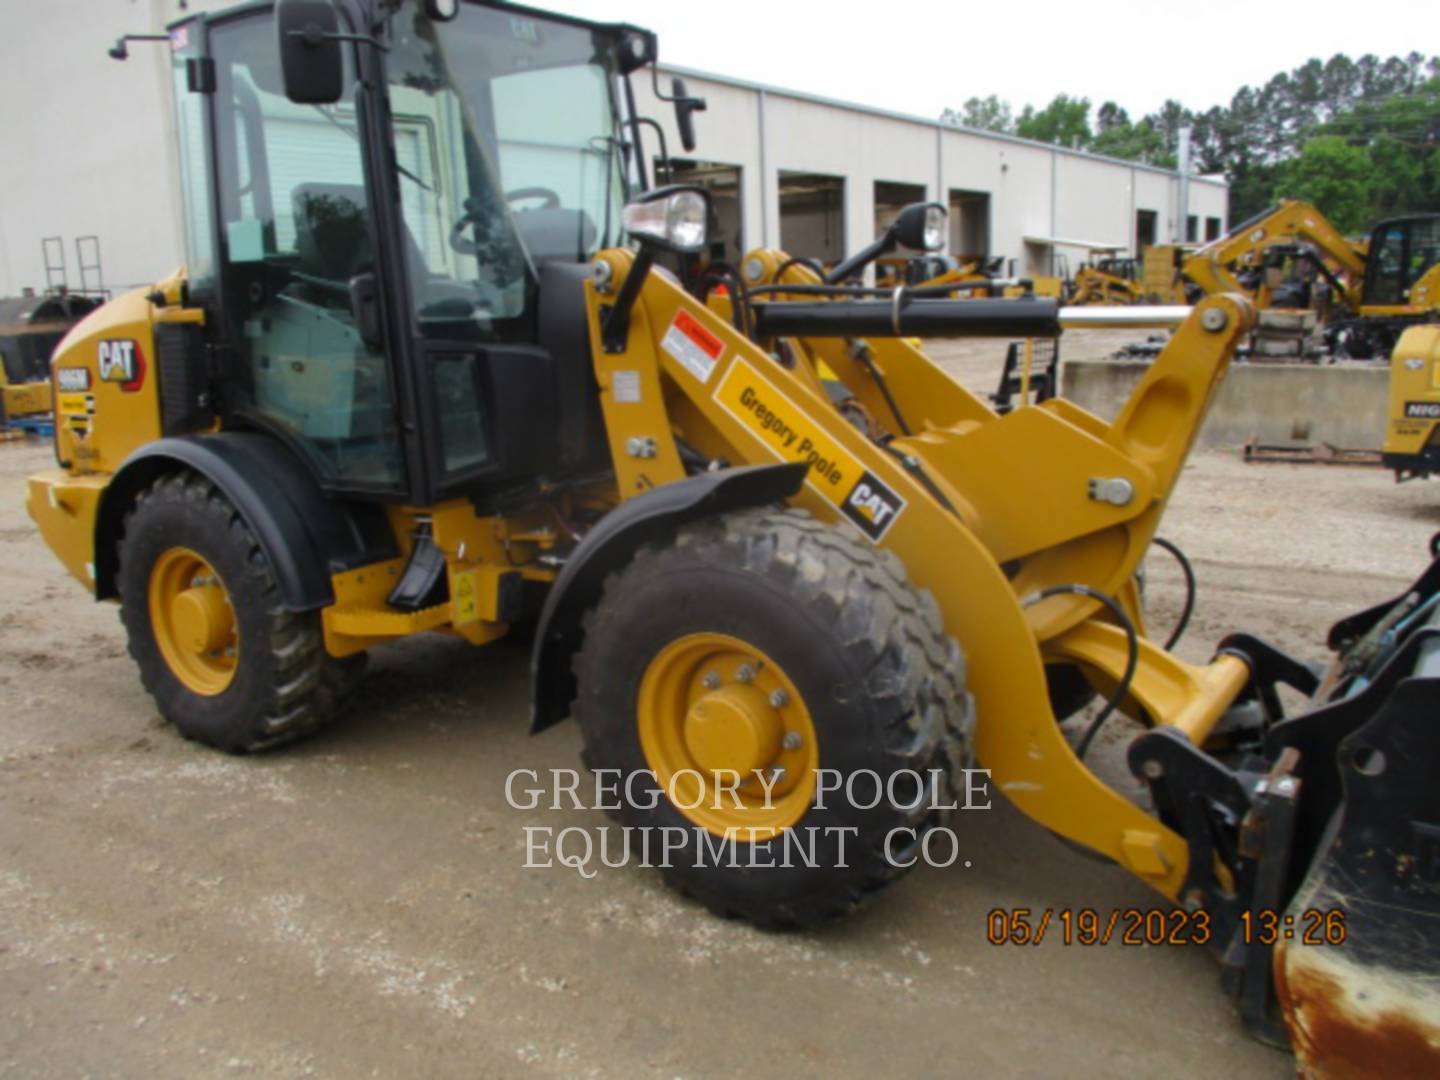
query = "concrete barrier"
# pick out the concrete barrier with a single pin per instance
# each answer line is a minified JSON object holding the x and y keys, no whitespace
{"x":1341,"y":404}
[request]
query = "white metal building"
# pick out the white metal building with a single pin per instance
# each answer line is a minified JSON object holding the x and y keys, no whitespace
{"x":88,"y":149}
{"x":818,"y":177}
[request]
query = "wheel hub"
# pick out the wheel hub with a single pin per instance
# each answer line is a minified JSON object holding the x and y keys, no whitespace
{"x":733,"y":730}
{"x":193,"y":621}
{"x":202,"y":618}
{"x":728,"y":736}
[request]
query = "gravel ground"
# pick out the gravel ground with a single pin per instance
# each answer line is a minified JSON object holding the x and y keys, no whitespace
{"x":357,"y":904}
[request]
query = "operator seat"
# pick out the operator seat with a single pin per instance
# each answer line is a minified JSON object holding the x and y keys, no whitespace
{"x":555,"y":234}
{"x":333,"y":237}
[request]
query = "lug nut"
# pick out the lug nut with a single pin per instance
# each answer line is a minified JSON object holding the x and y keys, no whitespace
{"x":745,"y":674}
{"x":779,"y":699}
{"x":711,"y":681}
{"x":791,"y":741}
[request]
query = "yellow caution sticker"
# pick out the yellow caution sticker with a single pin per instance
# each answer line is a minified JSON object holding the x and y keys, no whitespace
{"x":791,"y":434}
{"x":467,"y":608}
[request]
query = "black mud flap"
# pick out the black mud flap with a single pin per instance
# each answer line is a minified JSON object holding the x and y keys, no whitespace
{"x":1357,"y":963}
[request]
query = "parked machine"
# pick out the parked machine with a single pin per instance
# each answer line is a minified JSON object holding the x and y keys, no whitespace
{"x":31,"y":325}
{"x":1412,"y":436}
{"x":1107,"y":277}
{"x":446,"y":372}
{"x":1380,"y":286}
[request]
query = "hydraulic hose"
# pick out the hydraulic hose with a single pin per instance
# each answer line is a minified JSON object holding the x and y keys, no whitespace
{"x":1189,"y":608}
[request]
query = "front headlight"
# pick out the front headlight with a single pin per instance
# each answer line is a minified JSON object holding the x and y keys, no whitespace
{"x":675,"y":218}
{"x":921,"y":227}
{"x":935,"y":218}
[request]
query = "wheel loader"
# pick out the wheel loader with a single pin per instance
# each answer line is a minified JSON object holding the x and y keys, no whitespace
{"x":424,"y":360}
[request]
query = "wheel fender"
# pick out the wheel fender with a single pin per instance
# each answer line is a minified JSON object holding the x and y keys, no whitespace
{"x":306,"y":535}
{"x":611,"y":543}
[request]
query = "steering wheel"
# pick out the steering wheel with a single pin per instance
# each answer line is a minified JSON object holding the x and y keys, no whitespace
{"x":475,"y":215}
{"x":552,"y":199}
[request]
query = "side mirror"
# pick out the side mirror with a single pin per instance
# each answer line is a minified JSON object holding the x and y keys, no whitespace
{"x":685,"y":109}
{"x":365,"y":307}
{"x":311,"y":63}
{"x":921,"y":227}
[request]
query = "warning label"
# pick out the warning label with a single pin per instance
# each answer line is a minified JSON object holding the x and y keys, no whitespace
{"x":625,"y":385}
{"x":792,"y":435}
{"x":694,"y":346}
{"x":1422,"y":410}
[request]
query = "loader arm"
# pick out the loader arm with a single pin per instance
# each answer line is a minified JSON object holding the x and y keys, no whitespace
{"x":959,"y":500}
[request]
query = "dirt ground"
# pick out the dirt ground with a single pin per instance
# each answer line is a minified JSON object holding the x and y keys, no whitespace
{"x":357,"y":905}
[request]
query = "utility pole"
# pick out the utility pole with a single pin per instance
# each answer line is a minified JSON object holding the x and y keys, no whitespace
{"x":1182,"y":155}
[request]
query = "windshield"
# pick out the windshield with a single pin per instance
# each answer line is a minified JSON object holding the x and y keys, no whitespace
{"x":506,"y":143}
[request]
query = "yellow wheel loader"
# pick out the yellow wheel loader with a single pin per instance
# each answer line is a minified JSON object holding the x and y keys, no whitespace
{"x":422,"y":364}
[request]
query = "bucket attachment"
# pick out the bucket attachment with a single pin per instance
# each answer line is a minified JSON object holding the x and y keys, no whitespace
{"x":1357,"y":964}
{"x":1314,"y":840}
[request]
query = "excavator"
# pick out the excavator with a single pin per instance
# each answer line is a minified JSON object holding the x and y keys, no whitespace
{"x":406,"y":391}
{"x":1380,"y":285}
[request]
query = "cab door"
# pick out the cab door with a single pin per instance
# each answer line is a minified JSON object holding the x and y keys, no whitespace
{"x":296,"y":266}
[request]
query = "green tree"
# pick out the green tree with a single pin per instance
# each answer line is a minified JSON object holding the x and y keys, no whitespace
{"x":1066,"y":120}
{"x":987,"y":113}
{"x":1336,"y":177}
{"x":1134,"y":142}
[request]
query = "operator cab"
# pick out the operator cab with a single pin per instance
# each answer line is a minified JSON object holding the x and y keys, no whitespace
{"x":1402,"y":251}
{"x":392,"y":233}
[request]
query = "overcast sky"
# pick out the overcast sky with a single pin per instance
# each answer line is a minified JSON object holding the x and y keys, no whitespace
{"x":919,"y":57}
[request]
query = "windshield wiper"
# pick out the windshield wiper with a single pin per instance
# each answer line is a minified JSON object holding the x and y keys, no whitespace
{"x":356,"y":136}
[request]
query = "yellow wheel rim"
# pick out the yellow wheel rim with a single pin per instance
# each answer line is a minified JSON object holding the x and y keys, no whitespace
{"x":193,"y":621}
{"x":716,"y":715}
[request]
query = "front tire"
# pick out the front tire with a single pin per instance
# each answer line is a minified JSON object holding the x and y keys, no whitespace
{"x":223,"y":659}
{"x":769,"y":641}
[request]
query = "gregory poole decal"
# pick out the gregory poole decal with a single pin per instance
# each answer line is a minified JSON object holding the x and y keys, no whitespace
{"x":791,"y":435}
{"x":121,"y":361}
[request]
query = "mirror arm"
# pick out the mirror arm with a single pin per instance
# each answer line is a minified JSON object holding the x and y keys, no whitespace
{"x":862,"y":258}
{"x":119,"y":51}
{"x":615,"y":325}
{"x":664,"y":148}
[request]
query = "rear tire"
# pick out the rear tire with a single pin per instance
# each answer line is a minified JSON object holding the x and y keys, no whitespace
{"x":278,"y":683}
{"x":882,"y":688}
